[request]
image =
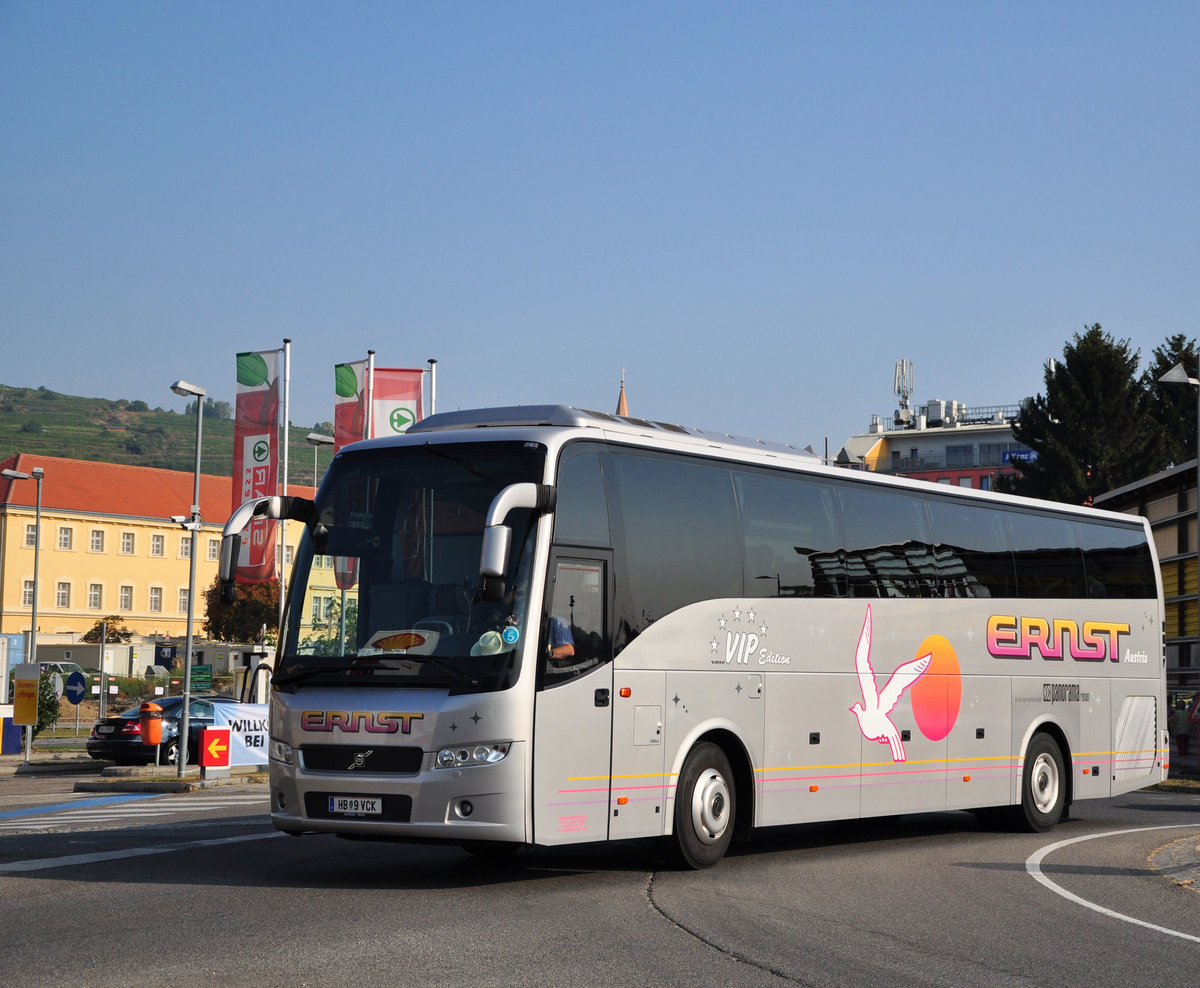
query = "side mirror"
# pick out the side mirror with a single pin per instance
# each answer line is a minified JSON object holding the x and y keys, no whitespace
{"x":497,"y":537}
{"x":292,"y":508}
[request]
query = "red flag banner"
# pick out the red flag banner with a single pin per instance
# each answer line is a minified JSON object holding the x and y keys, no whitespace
{"x":395,"y":400}
{"x":256,"y":457}
{"x":349,"y":403}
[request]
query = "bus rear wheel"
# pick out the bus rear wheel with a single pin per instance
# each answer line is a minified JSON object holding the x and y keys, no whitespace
{"x":705,"y":808}
{"x":1043,"y":787}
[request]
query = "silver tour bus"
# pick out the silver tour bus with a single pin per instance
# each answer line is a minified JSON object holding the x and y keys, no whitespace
{"x":544,"y":625}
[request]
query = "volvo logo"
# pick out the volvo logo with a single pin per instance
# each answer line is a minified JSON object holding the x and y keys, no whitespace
{"x":360,"y":759}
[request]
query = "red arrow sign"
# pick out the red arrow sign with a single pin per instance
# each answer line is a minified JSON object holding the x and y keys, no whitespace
{"x":214,"y":747}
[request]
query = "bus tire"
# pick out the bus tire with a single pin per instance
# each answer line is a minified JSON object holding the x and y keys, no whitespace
{"x":705,"y":808}
{"x":1043,"y":787}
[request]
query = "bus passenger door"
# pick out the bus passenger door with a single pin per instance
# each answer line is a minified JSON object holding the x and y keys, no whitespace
{"x":572,"y":733}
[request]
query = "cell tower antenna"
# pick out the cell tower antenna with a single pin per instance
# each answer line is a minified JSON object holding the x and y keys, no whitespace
{"x":904,"y":382}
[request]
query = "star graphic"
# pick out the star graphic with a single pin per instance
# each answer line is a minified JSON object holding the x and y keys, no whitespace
{"x":475,"y":717}
{"x":750,"y":615}
{"x":721,"y":622}
{"x":738,"y":689}
{"x":971,"y":634}
{"x":713,"y":645}
{"x":675,"y":699}
{"x":737,"y":613}
{"x":453,"y":728}
{"x":762,"y":629}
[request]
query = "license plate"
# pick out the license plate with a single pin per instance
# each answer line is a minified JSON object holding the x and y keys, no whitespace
{"x":356,"y":805}
{"x":104,"y":730}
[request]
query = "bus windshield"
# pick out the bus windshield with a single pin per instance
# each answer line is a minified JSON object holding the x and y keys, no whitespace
{"x":387,"y":590}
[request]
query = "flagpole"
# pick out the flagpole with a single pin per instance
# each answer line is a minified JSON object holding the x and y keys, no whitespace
{"x":369,"y":417}
{"x":287,"y":385}
{"x":432,"y":361}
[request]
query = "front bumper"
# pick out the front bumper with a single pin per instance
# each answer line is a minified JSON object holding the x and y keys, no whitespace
{"x":455,"y":805}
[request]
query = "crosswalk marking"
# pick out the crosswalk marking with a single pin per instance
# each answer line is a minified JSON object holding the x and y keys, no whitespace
{"x":130,"y":812}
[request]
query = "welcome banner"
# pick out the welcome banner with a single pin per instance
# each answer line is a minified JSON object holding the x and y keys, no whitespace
{"x":256,"y":457}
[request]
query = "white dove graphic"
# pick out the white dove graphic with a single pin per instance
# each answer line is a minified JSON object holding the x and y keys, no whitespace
{"x":872,"y":713}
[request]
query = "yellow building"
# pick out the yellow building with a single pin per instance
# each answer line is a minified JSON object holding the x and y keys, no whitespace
{"x":108,"y":545}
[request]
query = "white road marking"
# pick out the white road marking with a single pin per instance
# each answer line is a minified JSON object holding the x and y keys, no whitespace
{"x":1033,"y":865}
{"x":69,"y":860}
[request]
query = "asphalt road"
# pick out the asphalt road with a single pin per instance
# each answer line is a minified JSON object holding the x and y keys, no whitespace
{"x":197,"y":888}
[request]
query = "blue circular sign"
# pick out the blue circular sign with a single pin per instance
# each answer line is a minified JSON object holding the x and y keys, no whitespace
{"x":510,"y":635}
{"x":76,"y":688}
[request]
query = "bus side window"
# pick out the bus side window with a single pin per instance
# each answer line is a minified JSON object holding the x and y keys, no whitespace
{"x":888,"y":543}
{"x":790,"y":533}
{"x":1048,"y":559}
{"x":971,"y":546}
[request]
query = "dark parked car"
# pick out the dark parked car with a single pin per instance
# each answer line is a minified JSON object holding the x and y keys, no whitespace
{"x":119,"y":738}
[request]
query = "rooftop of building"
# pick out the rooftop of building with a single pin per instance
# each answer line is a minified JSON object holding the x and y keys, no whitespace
{"x":97,"y":488}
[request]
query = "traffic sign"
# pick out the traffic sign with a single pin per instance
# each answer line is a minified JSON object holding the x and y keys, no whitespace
{"x":77,"y":687}
{"x":214,"y":747}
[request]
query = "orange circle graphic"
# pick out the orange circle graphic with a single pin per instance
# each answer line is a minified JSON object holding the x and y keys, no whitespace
{"x":937,"y":695}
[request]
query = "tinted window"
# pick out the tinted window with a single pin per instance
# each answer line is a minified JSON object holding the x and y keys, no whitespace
{"x":581,"y":515}
{"x":1046,"y":555}
{"x":1117,"y":562}
{"x":887,"y":546}
{"x":790,"y":533}
{"x":681,"y":536}
{"x":971,"y":547}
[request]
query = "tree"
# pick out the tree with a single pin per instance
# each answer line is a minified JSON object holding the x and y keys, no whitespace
{"x":1093,"y":430}
{"x":1173,"y":405}
{"x":114,"y":631}
{"x":256,"y":605}
{"x":48,"y":704}
{"x":326,"y":637}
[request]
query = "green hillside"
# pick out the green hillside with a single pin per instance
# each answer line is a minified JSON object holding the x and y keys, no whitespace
{"x":37,"y":420}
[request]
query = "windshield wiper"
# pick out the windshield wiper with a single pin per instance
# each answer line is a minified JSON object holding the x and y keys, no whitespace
{"x":296,"y":674}
{"x":461,"y":676}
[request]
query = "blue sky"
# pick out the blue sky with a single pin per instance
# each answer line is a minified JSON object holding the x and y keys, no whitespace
{"x":756,"y":209}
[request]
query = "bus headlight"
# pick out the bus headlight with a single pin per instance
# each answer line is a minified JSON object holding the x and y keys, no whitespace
{"x":477,"y":754}
{"x":281,"y":752}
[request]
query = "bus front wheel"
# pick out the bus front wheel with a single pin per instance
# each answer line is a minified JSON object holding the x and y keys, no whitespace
{"x":705,"y":808}
{"x":1043,"y":786}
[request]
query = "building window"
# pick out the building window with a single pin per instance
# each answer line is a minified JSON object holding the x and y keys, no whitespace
{"x":183,"y":601}
{"x":127,"y":543}
{"x":156,"y":598}
{"x":320,"y":609}
{"x":31,"y":536}
{"x":158,"y":545}
{"x":287,"y":555}
{"x":66,"y":537}
{"x":27,"y":593}
{"x":95,"y":596}
{"x":214,"y":549}
{"x":62,"y":594}
{"x":126,"y":596}
{"x":97,"y":541}
{"x":185,"y":547}
{"x":960,"y":456}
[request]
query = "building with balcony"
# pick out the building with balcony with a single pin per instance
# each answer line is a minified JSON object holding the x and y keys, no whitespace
{"x":944,"y":442}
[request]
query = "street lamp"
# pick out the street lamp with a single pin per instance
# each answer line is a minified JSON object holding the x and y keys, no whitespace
{"x":316,"y":440}
{"x":37,"y":473}
{"x":192,"y":524}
